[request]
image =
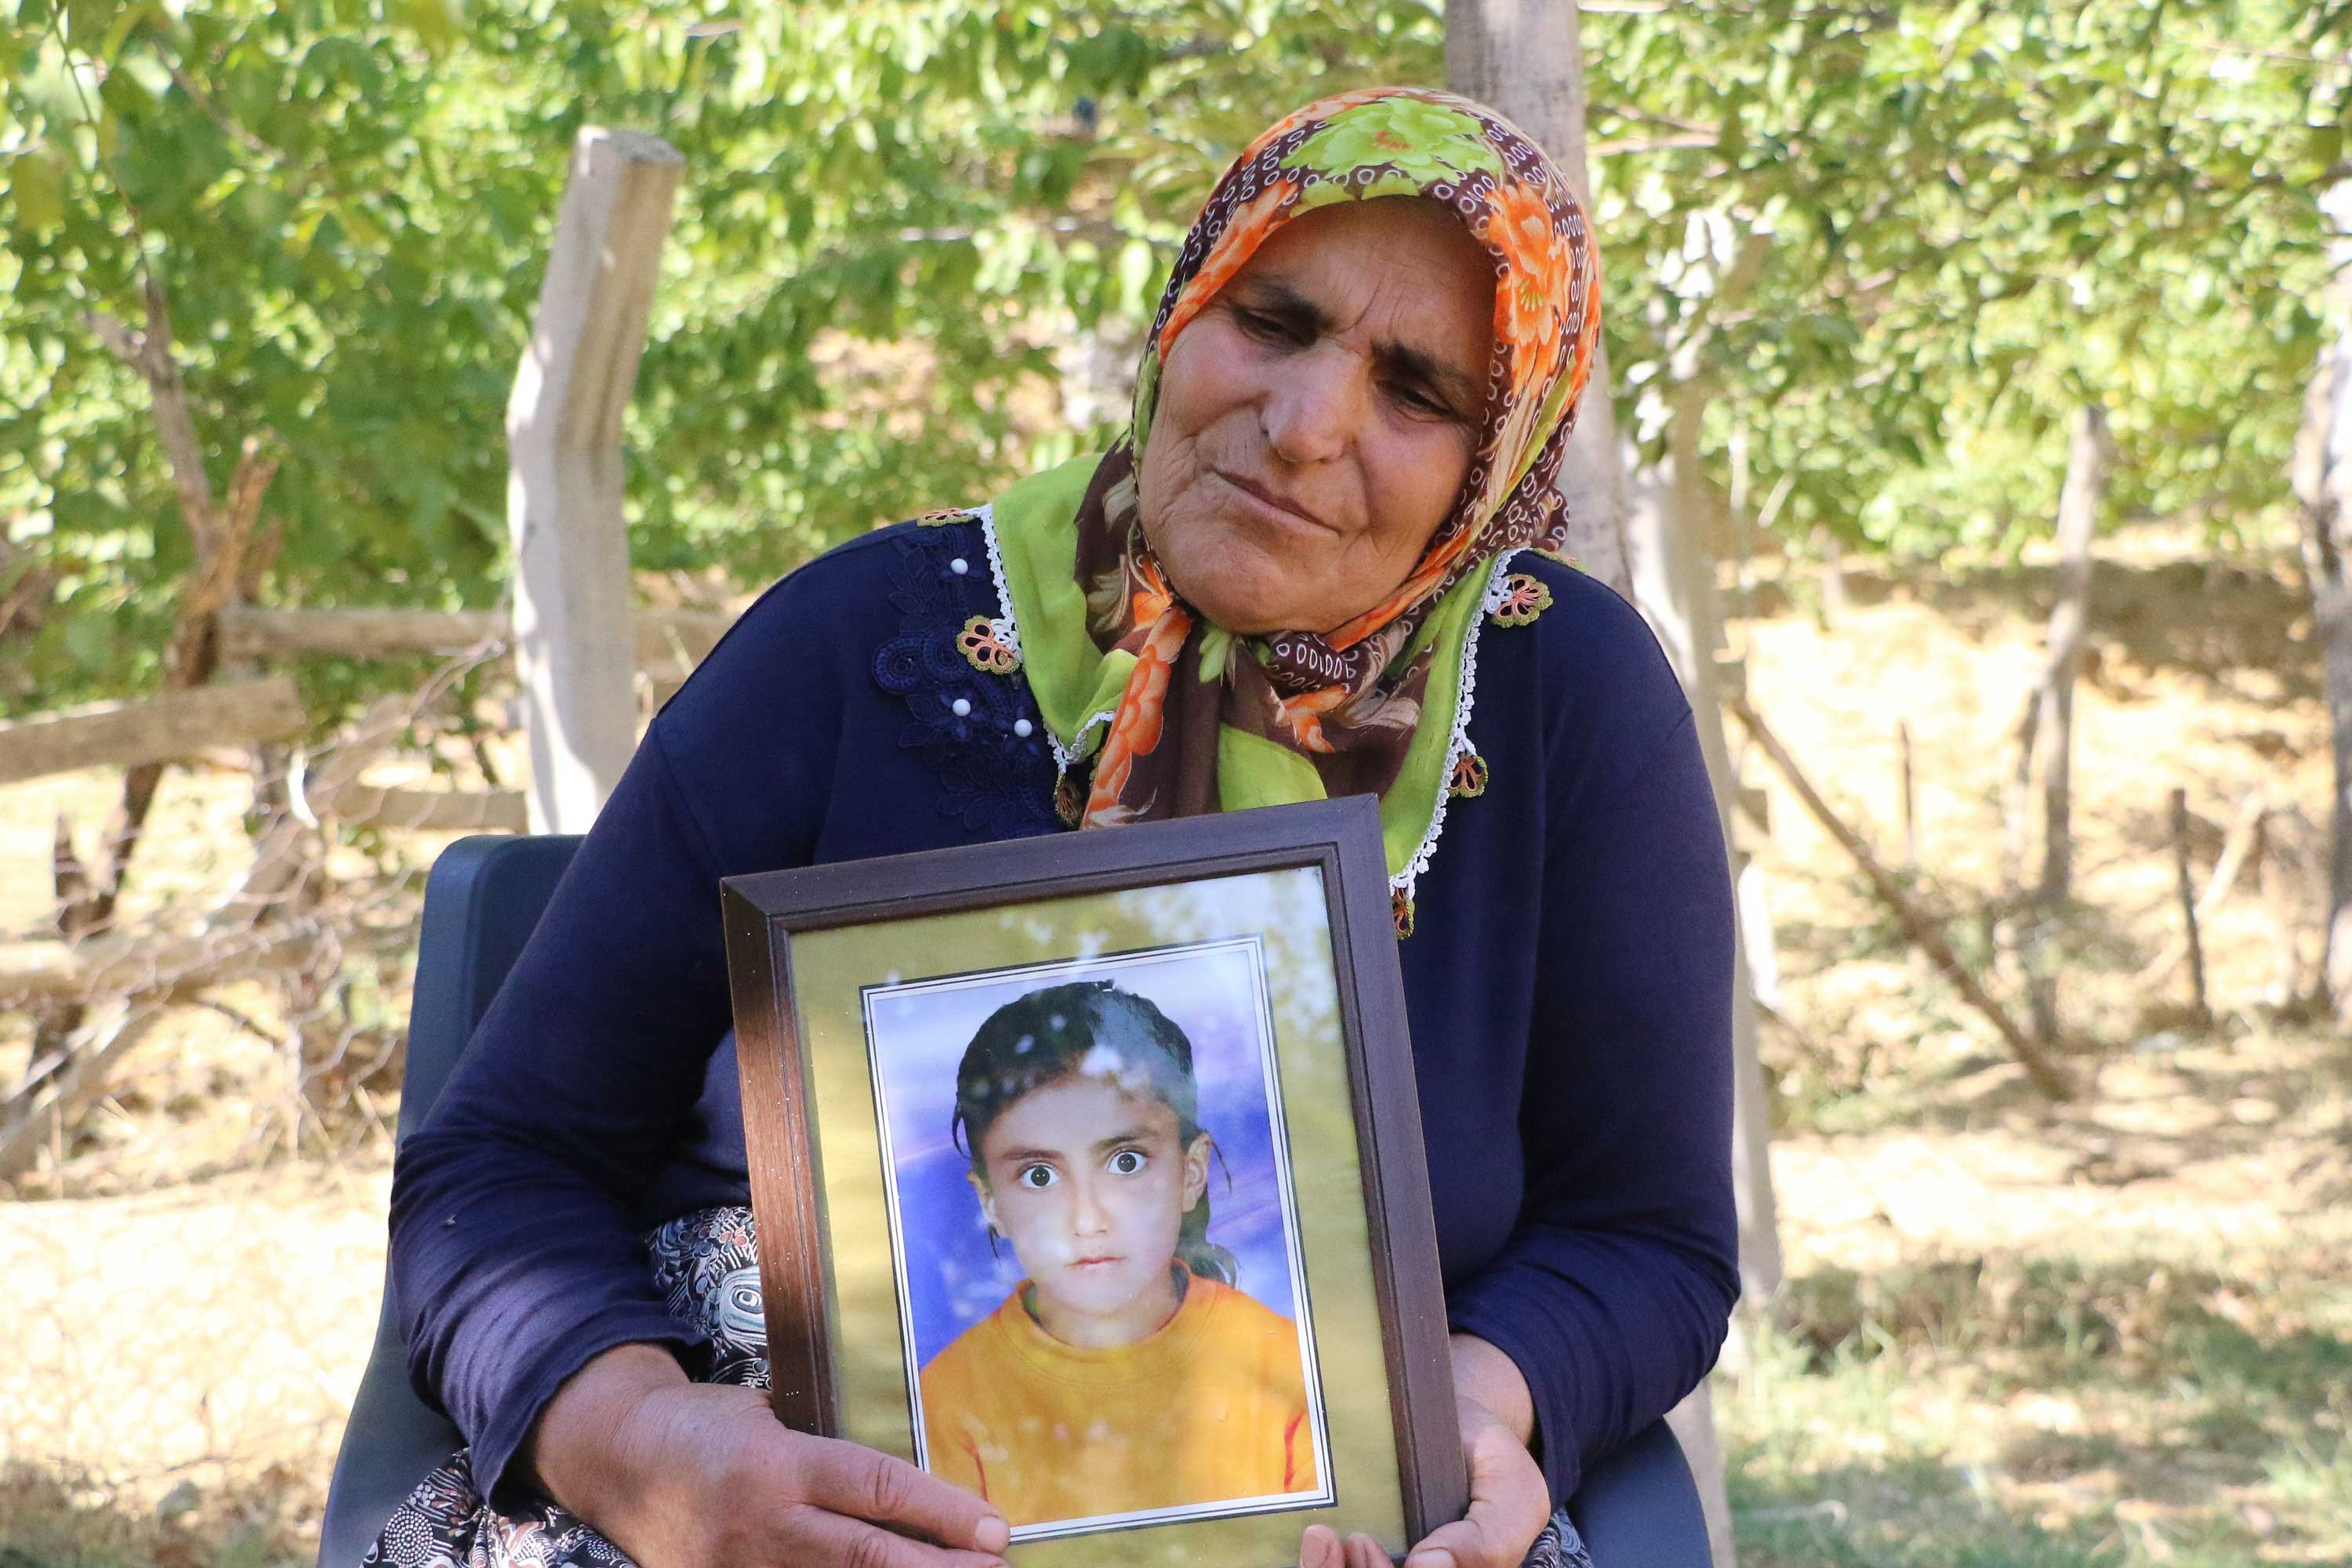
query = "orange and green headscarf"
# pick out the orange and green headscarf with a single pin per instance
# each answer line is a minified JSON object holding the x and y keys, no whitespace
{"x":1156,"y":713}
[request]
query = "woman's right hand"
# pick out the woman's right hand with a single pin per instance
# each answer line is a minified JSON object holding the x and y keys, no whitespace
{"x":686,"y":1475}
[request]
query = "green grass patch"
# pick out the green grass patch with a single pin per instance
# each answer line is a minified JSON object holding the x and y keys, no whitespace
{"x":2044,"y":1413}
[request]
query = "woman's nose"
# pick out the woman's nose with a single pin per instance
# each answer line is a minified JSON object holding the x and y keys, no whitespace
{"x":1312,"y":414}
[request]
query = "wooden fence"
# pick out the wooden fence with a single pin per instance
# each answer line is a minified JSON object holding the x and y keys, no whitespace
{"x":577,"y":648}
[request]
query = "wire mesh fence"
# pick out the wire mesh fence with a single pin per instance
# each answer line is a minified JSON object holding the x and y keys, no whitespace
{"x":235,"y":1015}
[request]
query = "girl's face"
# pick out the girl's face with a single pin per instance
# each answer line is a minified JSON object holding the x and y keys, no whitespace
{"x":1090,"y":1184}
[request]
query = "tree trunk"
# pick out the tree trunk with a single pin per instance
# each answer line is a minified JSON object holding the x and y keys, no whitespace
{"x":1524,"y":58}
{"x":1675,"y":587}
{"x":2049,"y":742}
{"x":217,"y":536}
{"x":1833,"y":598}
{"x":2323,"y":483}
{"x":2053,"y":744}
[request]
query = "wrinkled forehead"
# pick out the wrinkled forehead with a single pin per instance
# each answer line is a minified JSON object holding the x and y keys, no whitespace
{"x":1399,"y":242}
{"x":1323,"y":214}
{"x":1446,"y":153}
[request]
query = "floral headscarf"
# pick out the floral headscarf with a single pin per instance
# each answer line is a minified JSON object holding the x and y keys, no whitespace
{"x":1154,"y":711}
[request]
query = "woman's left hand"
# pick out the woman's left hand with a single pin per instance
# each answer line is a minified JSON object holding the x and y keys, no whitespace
{"x":1509,"y":1505}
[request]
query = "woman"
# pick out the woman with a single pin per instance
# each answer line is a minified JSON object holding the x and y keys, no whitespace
{"x":1327,"y":530}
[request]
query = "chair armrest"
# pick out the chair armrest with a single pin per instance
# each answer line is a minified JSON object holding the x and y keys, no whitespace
{"x":1638,"y":1507}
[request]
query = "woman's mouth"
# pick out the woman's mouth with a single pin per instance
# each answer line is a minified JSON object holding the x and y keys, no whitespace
{"x":1093,"y":1262}
{"x":1284,"y":512}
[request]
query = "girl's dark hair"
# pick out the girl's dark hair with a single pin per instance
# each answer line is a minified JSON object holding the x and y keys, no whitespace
{"x":1091,"y":1027}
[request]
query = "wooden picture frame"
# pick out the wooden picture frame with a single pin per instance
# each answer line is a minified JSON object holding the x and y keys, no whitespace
{"x":850,"y":980}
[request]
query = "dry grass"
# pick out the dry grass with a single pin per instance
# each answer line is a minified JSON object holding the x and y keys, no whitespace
{"x":2119,"y":1331}
{"x":2115,"y":1331}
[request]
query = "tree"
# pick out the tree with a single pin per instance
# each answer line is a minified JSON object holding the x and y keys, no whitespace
{"x":1979,"y":218}
{"x":1526,"y":59}
{"x":904,"y":222}
{"x":2322,"y":482}
{"x":894,"y":215}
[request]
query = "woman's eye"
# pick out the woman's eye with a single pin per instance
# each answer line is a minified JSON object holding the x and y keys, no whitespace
{"x":1127,"y":1161}
{"x":1418,"y":402}
{"x":1273,"y":328}
{"x":1036,"y":1176}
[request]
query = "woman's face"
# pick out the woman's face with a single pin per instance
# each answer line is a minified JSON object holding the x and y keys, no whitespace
{"x":1090,"y":1184}
{"x":1315,"y":421}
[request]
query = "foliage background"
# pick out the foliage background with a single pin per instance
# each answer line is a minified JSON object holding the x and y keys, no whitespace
{"x":918,"y":240}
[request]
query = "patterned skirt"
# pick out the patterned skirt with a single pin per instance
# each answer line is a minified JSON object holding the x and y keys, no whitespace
{"x":708,"y":1270}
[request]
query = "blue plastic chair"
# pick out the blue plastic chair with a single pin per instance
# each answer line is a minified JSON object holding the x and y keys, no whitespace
{"x":1638,"y":1508}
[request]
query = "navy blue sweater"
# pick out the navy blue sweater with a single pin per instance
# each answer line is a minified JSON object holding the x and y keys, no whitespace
{"x":1567,"y":986}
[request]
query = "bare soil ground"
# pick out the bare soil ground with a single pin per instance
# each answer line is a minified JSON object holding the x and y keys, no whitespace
{"x":2115,"y":1331}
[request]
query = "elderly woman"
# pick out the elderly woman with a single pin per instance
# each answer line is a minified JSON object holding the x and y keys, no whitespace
{"x":1334,"y":516}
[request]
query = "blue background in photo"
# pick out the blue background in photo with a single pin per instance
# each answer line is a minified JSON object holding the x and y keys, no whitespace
{"x":918,"y":1037}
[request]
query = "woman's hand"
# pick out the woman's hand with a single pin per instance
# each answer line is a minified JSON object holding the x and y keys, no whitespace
{"x":686,"y":1475}
{"x":1509,"y":1500}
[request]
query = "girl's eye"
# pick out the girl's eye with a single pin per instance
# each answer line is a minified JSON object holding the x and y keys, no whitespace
{"x":1127,"y":1161}
{"x":1036,"y":1176}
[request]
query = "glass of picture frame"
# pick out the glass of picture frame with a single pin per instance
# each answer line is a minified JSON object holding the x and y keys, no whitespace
{"x":1088,"y":1174}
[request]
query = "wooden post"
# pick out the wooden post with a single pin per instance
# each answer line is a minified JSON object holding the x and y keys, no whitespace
{"x":2240,"y":843}
{"x":2189,"y":904}
{"x":573,"y":651}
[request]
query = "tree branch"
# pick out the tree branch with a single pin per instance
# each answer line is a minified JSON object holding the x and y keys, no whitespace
{"x":2045,"y":1074}
{"x":228,"y":127}
{"x":127,"y":345}
{"x":1653,"y":143}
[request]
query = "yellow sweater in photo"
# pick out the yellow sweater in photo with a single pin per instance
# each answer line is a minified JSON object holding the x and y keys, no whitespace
{"x":1209,"y":1407}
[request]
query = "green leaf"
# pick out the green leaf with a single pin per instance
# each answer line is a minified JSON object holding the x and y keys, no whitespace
{"x":437,"y":24}
{"x":90,"y":641}
{"x":37,"y":183}
{"x":1135,"y":269}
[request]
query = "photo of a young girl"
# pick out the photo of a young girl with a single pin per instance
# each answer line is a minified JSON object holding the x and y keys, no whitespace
{"x":1125,"y":1376}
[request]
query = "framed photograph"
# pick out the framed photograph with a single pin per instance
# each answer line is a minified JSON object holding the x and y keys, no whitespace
{"x":1088,"y":1174}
